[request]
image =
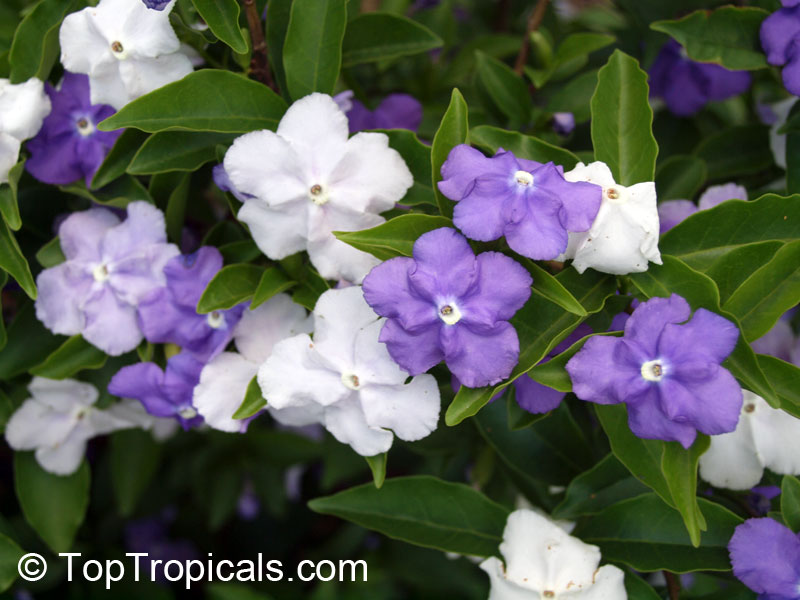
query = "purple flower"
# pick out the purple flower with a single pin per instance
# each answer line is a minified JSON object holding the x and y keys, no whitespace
{"x":687,"y":86}
{"x":223,"y":182}
{"x":563,"y":123}
{"x":672,"y":212}
{"x":447,"y":304}
{"x":396,"y":111}
{"x":169,"y":314}
{"x":537,"y":398}
{"x":780,"y":38}
{"x":666,"y":368}
{"x":166,"y":393}
{"x":110,"y":266}
{"x":528,"y":202}
{"x":760,"y":498}
{"x":766,"y":557}
{"x":69,"y":146}
{"x":156,"y":4}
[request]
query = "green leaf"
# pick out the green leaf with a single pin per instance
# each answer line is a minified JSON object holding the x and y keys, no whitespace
{"x":233,"y":591}
{"x":453,"y":130}
{"x":10,"y":554}
{"x":396,"y":237}
{"x":272,"y":282}
{"x":551,"y":288}
{"x":119,"y":157}
{"x":119,"y":193}
{"x":312,"y":52}
{"x":752,"y":155}
{"x":570,"y":56}
{"x":222,"y":17}
{"x":783,"y":377}
{"x":253,"y":401}
{"x":377,"y":36}
{"x":680,"y":177}
{"x":451,"y":517}
{"x":135,"y":457}
{"x":416,"y":155}
{"x":648,"y":535}
{"x":35,"y":46}
{"x":508,"y":91}
{"x":73,"y":356}
{"x":679,"y":466}
{"x":50,"y":254}
{"x":176,"y":208}
{"x":177,"y":151}
{"x":53,"y":505}
{"x":622,"y":121}
{"x":790,"y":502}
{"x":377,"y":464}
{"x":727,"y":36}
{"x":638,"y":589}
{"x":8,"y":197}
{"x":278,"y":13}
{"x":575,"y":96}
{"x":13,"y":261}
{"x":231,"y":285}
{"x":195,"y":103}
{"x":523,"y":146}
{"x":29,"y":344}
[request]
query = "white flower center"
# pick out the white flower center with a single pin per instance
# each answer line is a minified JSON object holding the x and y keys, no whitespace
{"x":653,"y":370}
{"x":215,"y":319}
{"x":750,"y":407}
{"x":118,"y":50}
{"x":450,"y":314}
{"x":101,"y":273}
{"x":548,"y":594}
{"x":318,"y":194}
{"x":85,"y":126}
{"x":616,"y":195}
{"x":188,"y":412}
{"x":351,"y":381}
{"x":523,"y":178}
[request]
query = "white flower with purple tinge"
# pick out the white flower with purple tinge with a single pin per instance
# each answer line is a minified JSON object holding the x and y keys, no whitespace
{"x":110,"y":266}
{"x":544,"y":561}
{"x":59,"y":418}
{"x":309,"y":179}
{"x":23,"y":107}
{"x":346,"y":380}
{"x":224,"y":380}
{"x":624,"y":235}
{"x":125,"y":48}
{"x":765,"y":437}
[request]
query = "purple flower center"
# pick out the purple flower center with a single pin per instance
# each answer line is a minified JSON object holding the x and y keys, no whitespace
{"x":450,"y":314}
{"x":653,"y":370}
{"x":85,"y":126}
{"x":215,"y":319}
{"x":523,"y":178}
{"x":318,"y":194}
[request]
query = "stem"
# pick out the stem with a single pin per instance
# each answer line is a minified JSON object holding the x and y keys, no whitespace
{"x":673,"y":587}
{"x":259,"y":64}
{"x":370,"y":5}
{"x":533,"y":24}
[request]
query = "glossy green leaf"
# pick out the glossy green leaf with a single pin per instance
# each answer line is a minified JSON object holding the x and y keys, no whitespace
{"x":570,"y":56}
{"x":29,"y":343}
{"x":312,"y":52}
{"x":396,"y":237}
{"x":118,"y":194}
{"x":222,"y":17}
{"x":376,"y":36}
{"x":679,"y":466}
{"x":790,"y":502}
{"x":195,"y":103}
{"x":177,"y":151}
{"x":10,"y":554}
{"x":680,"y":177}
{"x":278,"y":13}
{"x":638,"y":589}
{"x":783,"y":377}
{"x":549,"y":287}
{"x":176,"y":209}
{"x":50,"y":254}
{"x":253,"y":401}
{"x":73,"y":356}
{"x":523,"y":146}
{"x":416,"y":154}
{"x":35,"y":46}
{"x":8,"y":197}
{"x":231,"y":285}
{"x":272,"y":282}
{"x":508,"y":91}
{"x":451,"y":517}
{"x":575,"y":96}
{"x":453,"y":130}
{"x":727,"y":36}
{"x":135,"y":457}
{"x":53,"y":505}
{"x":377,"y":464}
{"x":752,"y":154}
{"x":622,"y":121}
{"x":13,"y":261}
{"x":119,"y":157}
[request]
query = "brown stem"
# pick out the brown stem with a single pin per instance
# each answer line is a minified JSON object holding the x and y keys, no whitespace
{"x":370,"y":5}
{"x":533,"y":24}
{"x":673,"y":587}
{"x":259,"y":63}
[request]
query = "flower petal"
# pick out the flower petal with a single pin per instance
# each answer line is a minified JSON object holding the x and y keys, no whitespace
{"x":410,"y":410}
{"x":777,"y":437}
{"x":764,"y":556}
{"x":60,"y":298}
{"x":261,"y":328}
{"x":707,"y":333}
{"x":446,"y":266}
{"x":346,"y":421}
{"x":647,"y":420}
{"x":111,"y":325}
{"x":479,"y":359}
{"x":503,"y":287}
{"x":388,"y":291}
{"x":731,"y":461}
{"x":221,"y":390}
{"x":277,"y":233}
{"x":650,"y":318}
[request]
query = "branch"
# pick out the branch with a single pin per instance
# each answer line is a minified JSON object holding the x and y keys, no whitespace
{"x":533,"y":24}
{"x":673,"y":587}
{"x":259,"y":63}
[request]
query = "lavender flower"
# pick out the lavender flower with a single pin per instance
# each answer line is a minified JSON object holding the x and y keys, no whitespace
{"x":223,"y":182}
{"x":69,"y":146}
{"x":110,"y":266}
{"x":528,"y":202}
{"x":169,"y":314}
{"x":666,"y":368}
{"x":447,"y":304}
{"x":766,"y":558}
{"x":396,"y":111}
{"x":687,"y":86}
{"x":780,"y":341}
{"x":673,"y":212}
{"x":166,"y":393}
{"x":156,"y":4}
{"x":563,"y":123}
{"x":780,"y":39}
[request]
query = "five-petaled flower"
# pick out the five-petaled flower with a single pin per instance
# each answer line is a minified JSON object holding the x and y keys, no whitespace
{"x":766,"y":557}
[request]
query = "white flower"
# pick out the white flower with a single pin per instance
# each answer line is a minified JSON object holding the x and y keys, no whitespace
{"x":60,"y":418}
{"x":224,"y":380}
{"x":308,"y":180}
{"x":764,"y":438}
{"x":23,"y":107}
{"x":346,"y":380}
{"x":624,"y":235}
{"x":777,"y":141}
{"x":542,"y":561}
{"x":126,"y":49}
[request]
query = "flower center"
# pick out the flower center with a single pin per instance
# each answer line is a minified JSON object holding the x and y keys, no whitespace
{"x":101,"y":273}
{"x":548,"y":594}
{"x":523,"y":178}
{"x":215,"y":319}
{"x":450,"y":314}
{"x":351,"y":381}
{"x":616,"y":195}
{"x":318,"y":194}
{"x":119,"y":50}
{"x":748,"y":408}
{"x":85,"y":126}
{"x":653,"y":370}
{"x":188,"y":412}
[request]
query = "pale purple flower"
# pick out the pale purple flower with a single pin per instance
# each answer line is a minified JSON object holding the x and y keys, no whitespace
{"x":163,"y":393}
{"x":110,"y":266}
{"x":766,"y":557}
{"x":156,"y":4}
{"x":563,"y":123}
{"x":528,"y":202}
{"x":396,"y":111}
{"x":223,"y":182}
{"x":69,"y":146}
{"x":672,"y":212}
{"x":780,"y":39}
{"x":687,"y":86}
{"x":666,"y":368}
{"x":447,"y":304}
{"x":169,"y":314}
